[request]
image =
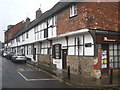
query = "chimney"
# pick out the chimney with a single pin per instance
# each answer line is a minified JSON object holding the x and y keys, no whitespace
{"x":27,"y":20}
{"x":9,"y":26}
{"x":38,"y":13}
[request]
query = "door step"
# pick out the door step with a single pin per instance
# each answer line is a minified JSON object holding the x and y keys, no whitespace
{"x":105,"y":76}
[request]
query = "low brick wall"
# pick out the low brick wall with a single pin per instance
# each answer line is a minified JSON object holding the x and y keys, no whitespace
{"x":47,"y":59}
{"x":86,"y":65}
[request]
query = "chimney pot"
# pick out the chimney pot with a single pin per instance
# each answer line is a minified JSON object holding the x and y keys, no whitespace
{"x":38,"y":13}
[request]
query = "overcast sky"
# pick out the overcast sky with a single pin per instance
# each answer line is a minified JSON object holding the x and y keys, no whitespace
{"x":14,"y":11}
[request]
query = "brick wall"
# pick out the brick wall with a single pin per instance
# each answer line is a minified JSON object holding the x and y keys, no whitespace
{"x":86,"y":66}
{"x":12,"y":31}
{"x":91,"y":15}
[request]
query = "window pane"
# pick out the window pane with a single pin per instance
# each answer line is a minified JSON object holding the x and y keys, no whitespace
{"x":111,"y":59}
{"x":111,"y":65}
{"x":115,"y":46}
{"x":116,"y":58}
{"x":71,"y":51}
{"x":115,"y":65}
{"x":119,"y":65}
{"x":71,"y":11}
{"x":111,"y":46}
{"x":115,"y":52}
{"x":75,"y":9}
{"x":119,"y":47}
{"x":111,"y":53}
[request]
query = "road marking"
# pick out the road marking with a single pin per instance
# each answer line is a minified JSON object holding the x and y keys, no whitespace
{"x":34,"y":79}
{"x":56,"y":78}
{"x":23,"y":76}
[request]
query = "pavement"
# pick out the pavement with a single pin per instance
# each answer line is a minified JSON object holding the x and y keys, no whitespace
{"x":79,"y":81}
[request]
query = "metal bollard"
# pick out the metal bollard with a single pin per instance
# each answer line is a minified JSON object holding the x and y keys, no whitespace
{"x":69,"y":72}
{"x":110,"y":76}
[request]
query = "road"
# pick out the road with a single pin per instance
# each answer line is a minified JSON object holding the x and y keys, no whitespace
{"x":21,"y":75}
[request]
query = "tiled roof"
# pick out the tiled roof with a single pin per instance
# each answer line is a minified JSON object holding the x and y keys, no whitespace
{"x":55,"y":9}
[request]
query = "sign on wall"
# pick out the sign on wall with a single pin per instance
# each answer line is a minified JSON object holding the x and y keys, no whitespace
{"x":107,"y":39}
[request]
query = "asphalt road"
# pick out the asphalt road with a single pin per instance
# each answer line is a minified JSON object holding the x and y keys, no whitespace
{"x":21,"y":75}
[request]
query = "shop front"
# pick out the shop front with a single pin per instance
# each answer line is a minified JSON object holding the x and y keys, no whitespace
{"x":108,"y":51}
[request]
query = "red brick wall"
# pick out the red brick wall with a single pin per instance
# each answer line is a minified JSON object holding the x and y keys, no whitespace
{"x":91,"y":15}
{"x":12,"y":31}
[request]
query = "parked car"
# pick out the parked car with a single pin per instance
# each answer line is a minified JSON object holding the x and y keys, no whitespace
{"x":9,"y":55}
{"x":4,"y":53}
{"x":19,"y":57}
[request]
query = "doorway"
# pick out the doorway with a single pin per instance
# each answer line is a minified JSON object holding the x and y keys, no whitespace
{"x":64,"y":61}
{"x":34,"y":54}
{"x":105,"y":59}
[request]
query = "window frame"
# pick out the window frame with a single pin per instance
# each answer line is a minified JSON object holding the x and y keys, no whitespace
{"x":73,"y":10}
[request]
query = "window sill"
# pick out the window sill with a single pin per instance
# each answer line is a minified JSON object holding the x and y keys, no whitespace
{"x":72,"y":16}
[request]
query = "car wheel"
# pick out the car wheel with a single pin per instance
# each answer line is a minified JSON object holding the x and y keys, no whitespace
{"x":25,"y":61}
{"x":14,"y":61}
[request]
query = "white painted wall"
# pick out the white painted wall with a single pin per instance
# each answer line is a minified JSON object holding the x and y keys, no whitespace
{"x":72,"y":50}
{"x":60,"y":41}
{"x":89,"y":51}
{"x":39,"y":36}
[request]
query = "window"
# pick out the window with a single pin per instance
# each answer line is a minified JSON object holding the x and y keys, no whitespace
{"x":45,"y":33}
{"x":54,"y":20}
{"x":17,"y":39}
{"x":114,"y":56}
{"x":35,"y":32}
{"x":26,"y":34}
{"x":73,"y":10}
{"x":23,"y":37}
{"x":56,"y":51}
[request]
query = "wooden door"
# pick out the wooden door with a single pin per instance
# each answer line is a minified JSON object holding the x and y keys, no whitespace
{"x":64,"y":55}
{"x":34,"y":54}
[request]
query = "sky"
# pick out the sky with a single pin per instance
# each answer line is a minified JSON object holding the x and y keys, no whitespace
{"x":14,"y":11}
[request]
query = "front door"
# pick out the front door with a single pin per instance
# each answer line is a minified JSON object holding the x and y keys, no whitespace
{"x":34,"y":54}
{"x":64,"y":55}
{"x":105,"y":59}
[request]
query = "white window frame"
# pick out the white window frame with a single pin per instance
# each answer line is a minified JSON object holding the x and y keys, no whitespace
{"x":23,"y":37}
{"x":54,"y":21}
{"x":73,"y":10}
